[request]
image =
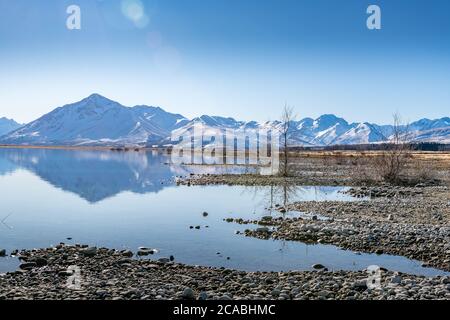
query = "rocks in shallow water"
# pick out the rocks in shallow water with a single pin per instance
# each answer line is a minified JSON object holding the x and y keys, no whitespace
{"x":396,"y":226}
{"x":197,"y":227}
{"x":39,"y":261}
{"x":205,"y":214}
{"x":127,"y":253}
{"x":2,"y":253}
{"x":164,"y":260}
{"x":144,"y":251}
{"x":172,"y":258}
{"x":28,"y":265}
{"x":188,"y":294}
{"x":262,"y":230}
{"x":318,"y":266}
{"x":89,"y":252}
{"x":266,"y":218}
{"x":385,"y":192}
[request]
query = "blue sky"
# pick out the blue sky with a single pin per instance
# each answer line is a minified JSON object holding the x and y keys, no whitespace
{"x":239,"y":58}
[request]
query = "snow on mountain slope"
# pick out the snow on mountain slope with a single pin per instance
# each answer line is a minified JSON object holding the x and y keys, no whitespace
{"x":321,"y":131}
{"x":427,"y":124}
{"x":329,"y":135}
{"x":165,"y":120}
{"x":326,"y":121}
{"x":216,"y":121}
{"x":97,"y":120}
{"x":94,"y":120}
{"x":8,"y":125}
{"x":440,"y":135}
{"x":362,"y":133}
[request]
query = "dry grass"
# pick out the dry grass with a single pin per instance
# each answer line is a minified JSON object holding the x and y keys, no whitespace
{"x":363,"y":166}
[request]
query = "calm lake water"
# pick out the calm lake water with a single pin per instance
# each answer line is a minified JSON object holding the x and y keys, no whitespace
{"x":127,"y":200}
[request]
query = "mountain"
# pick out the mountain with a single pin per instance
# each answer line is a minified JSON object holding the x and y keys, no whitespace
{"x":361,"y":133}
{"x":427,"y":124}
{"x":97,"y":120}
{"x":329,"y":130}
{"x":8,"y":125}
{"x":440,"y":135}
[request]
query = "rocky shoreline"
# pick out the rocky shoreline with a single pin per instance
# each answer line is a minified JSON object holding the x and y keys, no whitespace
{"x":261,"y":180}
{"x":409,"y":221}
{"x":108,"y":274}
{"x":417,"y":227}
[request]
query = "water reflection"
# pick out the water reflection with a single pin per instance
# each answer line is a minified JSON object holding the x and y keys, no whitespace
{"x":96,"y":175}
{"x":276,"y":199}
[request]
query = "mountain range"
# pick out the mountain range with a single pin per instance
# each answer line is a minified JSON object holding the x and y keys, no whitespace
{"x":8,"y":125}
{"x":99,"y":121}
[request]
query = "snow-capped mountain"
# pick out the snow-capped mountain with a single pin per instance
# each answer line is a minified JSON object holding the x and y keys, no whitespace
{"x":427,"y":124}
{"x":440,"y":135}
{"x":97,"y":120}
{"x":8,"y":125}
{"x":328,"y":130}
{"x":361,"y":133}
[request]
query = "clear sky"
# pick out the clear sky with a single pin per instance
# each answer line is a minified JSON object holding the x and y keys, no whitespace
{"x":239,"y":58}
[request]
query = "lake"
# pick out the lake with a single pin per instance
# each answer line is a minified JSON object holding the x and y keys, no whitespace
{"x":125,"y":200}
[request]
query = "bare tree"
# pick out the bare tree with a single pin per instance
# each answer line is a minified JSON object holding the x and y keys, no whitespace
{"x":286,"y":121}
{"x":394,"y":159}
